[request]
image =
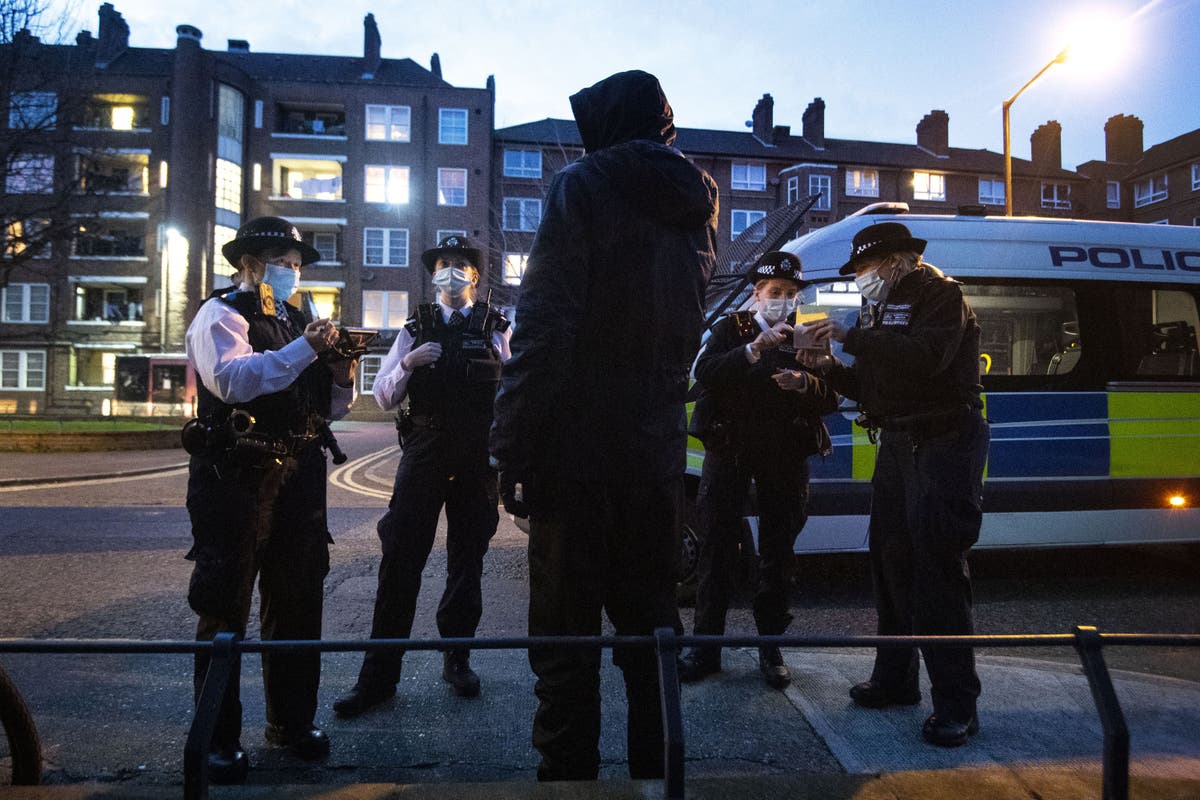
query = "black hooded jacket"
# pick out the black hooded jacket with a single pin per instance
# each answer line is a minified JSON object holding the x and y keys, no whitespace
{"x":612,"y":302}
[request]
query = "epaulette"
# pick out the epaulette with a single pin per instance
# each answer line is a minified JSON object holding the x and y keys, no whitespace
{"x":744,"y":321}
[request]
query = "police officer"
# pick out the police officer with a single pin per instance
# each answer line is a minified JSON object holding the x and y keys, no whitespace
{"x":916,"y":376}
{"x":759,"y":418}
{"x":446,"y":361}
{"x":256,"y":489}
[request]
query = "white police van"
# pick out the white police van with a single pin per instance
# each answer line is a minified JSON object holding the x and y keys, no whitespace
{"x":1091,"y":377}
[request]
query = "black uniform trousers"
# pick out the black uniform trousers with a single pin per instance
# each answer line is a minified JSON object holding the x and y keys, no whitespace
{"x":437,"y":468}
{"x":926,"y":510}
{"x":266,"y":522}
{"x":592,"y":548}
{"x":781,"y":486}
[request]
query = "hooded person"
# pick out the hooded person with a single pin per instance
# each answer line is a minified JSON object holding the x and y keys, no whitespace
{"x":590,"y":433}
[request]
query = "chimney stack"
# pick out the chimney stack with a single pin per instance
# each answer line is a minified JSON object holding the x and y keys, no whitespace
{"x":933,"y":133}
{"x":239,"y":46}
{"x":371,"y":45}
{"x":814,"y":123}
{"x":435,"y":65}
{"x":763,"y":120}
{"x":114,"y":36}
{"x":1123,"y":139}
{"x":1045,"y":145}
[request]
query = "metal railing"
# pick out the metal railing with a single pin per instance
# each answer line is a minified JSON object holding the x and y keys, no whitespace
{"x":226,"y":650}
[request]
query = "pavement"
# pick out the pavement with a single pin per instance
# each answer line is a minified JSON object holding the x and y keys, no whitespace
{"x":1040,"y":734}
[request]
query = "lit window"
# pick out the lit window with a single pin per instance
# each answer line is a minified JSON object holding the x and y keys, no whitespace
{"x":522,"y":163}
{"x":741,"y":219}
{"x":521,"y":213}
{"x":1151,"y":190}
{"x":1056,"y":195}
{"x":385,"y":310}
{"x":752,"y":177}
{"x":452,"y":187}
{"x":862,"y":183}
{"x":385,"y":247}
{"x":452,"y":126}
{"x":514,"y":267}
{"x":122,"y":118}
{"x":29,"y":174}
{"x":387,"y":185}
{"x":991,"y":192}
{"x":229,"y":186}
{"x":389,"y":123}
{"x":929,"y":186}
{"x":22,"y":369}
{"x":307,"y":178}
{"x":1112,"y":193}
{"x":25,"y":235}
{"x":821,"y":185}
{"x":26,"y":302}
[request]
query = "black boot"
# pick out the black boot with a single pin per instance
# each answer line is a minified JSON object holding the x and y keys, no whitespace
{"x":362,"y":697}
{"x":698,"y":663}
{"x":227,"y":765}
{"x":306,"y":742}
{"x":456,"y":670}
{"x":770,"y":664}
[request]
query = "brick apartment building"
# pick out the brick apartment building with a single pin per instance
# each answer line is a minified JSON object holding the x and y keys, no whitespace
{"x":160,"y":154}
{"x":768,"y":166}
{"x":165,"y":152}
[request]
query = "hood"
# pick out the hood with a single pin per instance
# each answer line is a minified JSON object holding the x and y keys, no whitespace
{"x":622,"y":107}
{"x":659,"y":181}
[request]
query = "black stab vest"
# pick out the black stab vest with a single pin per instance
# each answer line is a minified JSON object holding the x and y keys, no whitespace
{"x":461,"y":385}
{"x":295,"y":410}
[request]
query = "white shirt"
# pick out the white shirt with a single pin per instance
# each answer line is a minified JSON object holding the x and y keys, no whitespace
{"x":218,"y":348}
{"x":391,"y":384}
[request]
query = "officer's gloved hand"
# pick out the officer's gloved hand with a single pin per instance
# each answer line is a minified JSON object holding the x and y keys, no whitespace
{"x":514,"y":493}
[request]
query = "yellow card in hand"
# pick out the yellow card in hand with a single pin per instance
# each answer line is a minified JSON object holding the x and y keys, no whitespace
{"x":802,"y":338}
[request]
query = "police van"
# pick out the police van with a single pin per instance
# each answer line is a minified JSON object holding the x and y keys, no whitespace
{"x":1090,"y":370}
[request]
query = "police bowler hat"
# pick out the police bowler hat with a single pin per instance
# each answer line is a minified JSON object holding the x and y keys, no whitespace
{"x":776,"y":264}
{"x":262,"y":233}
{"x":454,"y":245}
{"x":881,"y":239}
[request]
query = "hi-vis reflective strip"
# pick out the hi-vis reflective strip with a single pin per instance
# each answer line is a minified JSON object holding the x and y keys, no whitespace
{"x":1154,"y":434}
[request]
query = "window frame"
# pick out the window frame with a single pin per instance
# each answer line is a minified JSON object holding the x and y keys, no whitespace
{"x":1154,"y":194}
{"x":928,"y":194}
{"x":1196,"y":177}
{"x":824,"y":184}
{"x":26,"y":303}
{"x":445,"y":130}
{"x":442,"y":198}
{"x":862,"y":187}
{"x":750,"y":180}
{"x":522,"y":170}
{"x":33,"y":165}
{"x":1112,"y":189}
{"x":747,"y":213}
{"x":16,"y":109}
{"x":505,"y":216}
{"x":992,"y":198}
{"x":385,"y":312}
{"x":387,"y":235}
{"x":389,"y":173}
{"x":368,"y":366}
{"x":1056,"y":203}
{"x":506,"y":275}
{"x":22,"y":370}
{"x":389,"y":123}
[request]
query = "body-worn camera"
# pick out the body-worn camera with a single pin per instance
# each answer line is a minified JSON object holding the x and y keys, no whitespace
{"x":201,"y":437}
{"x":351,"y":343}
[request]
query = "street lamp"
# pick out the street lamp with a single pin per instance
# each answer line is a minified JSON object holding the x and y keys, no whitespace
{"x":1058,"y":59}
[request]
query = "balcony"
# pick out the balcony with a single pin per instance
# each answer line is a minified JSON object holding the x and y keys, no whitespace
{"x":323,"y":122}
{"x":114,"y":173}
{"x":101,"y":239}
{"x":301,"y":178}
{"x":116,"y":112}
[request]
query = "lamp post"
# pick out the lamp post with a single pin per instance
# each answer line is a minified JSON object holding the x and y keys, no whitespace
{"x":1008,"y":203}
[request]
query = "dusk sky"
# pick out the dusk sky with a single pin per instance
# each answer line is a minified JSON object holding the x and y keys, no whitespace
{"x":880,"y":66}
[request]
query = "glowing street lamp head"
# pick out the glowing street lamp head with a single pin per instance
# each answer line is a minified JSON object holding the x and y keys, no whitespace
{"x":1097,"y":41}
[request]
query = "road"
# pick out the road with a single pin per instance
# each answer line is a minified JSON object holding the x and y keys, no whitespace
{"x":97,"y":559}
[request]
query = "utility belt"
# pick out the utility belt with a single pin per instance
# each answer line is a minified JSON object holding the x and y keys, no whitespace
{"x":925,"y":425}
{"x":237,"y":439}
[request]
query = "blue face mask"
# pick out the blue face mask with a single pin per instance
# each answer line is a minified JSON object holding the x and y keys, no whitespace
{"x":284,"y":281}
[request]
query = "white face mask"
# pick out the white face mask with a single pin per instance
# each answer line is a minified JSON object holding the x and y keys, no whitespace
{"x":451,"y":281}
{"x":775,"y":309}
{"x":871,"y":286}
{"x":284,"y":281}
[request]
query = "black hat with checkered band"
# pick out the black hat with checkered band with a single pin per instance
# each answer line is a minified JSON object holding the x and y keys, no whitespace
{"x":881,"y":239}
{"x":448,"y":246}
{"x":775,"y":264}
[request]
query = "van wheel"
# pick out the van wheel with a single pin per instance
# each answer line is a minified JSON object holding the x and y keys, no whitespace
{"x":689,"y":557}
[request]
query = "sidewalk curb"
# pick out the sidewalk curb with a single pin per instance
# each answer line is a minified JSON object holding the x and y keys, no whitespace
{"x":132,"y":473}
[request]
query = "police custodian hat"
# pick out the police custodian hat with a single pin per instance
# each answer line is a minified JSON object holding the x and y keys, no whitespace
{"x":450,"y":245}
{"x":881,"y":239}
{"x":261,"y":233}
{"x":775,"y":264}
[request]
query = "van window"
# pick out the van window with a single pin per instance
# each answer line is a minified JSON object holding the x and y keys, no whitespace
{"x":1158,"y":334}
{"x":1026,"y":330}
